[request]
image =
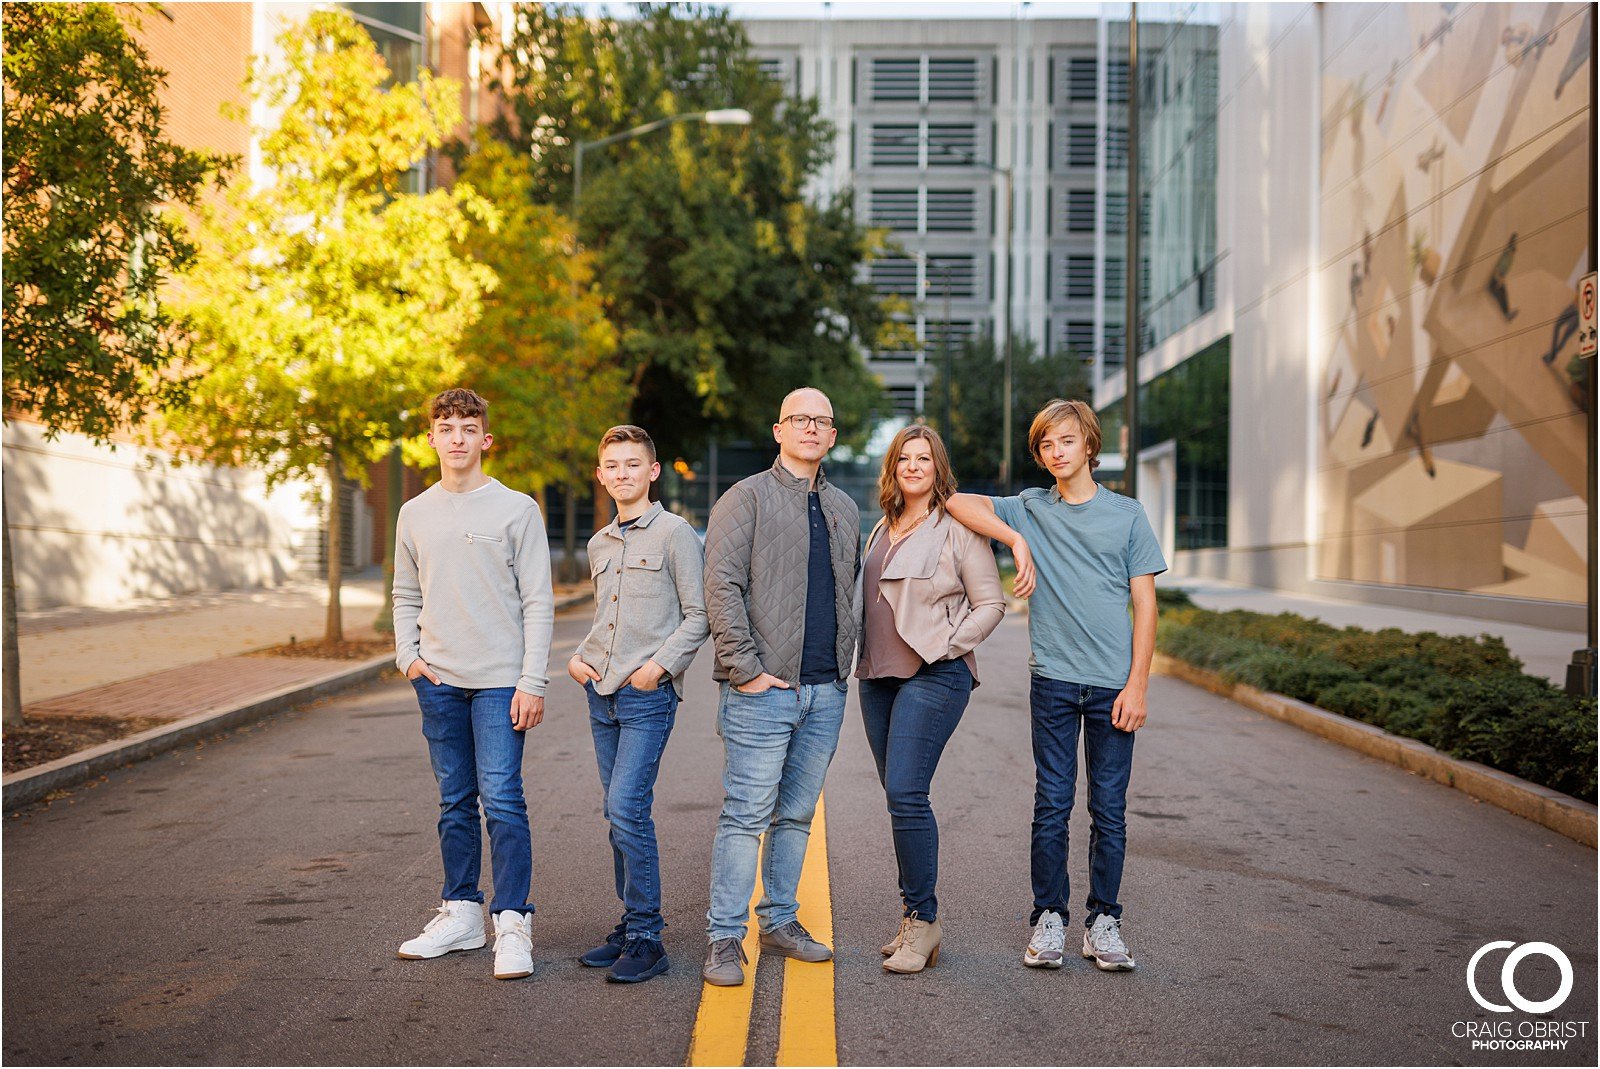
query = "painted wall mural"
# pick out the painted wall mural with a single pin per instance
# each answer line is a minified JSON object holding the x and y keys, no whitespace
{"x":1453,"y":230}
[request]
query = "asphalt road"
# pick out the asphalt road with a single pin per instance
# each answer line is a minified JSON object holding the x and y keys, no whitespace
{"x":1289,"y":902}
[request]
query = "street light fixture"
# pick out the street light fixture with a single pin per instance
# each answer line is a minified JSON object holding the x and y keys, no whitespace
{"x":715,"y":117}
{"x":1005,"y":311}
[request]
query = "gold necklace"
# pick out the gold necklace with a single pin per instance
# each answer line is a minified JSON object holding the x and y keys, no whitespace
{"x":896,"y":539}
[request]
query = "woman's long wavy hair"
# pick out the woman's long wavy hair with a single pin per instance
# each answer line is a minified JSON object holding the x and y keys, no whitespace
{"x":890,"y":499}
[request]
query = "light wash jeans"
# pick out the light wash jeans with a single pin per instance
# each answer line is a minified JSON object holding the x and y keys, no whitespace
{"x":778,"y":745}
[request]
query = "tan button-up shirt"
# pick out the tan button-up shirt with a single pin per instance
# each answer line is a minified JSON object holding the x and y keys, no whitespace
{"x":649,"y":599}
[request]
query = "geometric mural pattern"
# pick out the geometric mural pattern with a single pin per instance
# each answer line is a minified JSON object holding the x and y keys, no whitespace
{"x":1454,"y":230}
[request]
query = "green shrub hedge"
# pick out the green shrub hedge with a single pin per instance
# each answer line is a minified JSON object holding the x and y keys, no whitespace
{"x":1467,"y":697}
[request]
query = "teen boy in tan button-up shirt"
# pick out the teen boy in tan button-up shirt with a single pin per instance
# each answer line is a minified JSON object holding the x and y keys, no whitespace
{"x":650,"y":619}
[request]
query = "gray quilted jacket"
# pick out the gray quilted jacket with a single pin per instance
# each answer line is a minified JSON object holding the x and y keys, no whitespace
{"x":757,"y":545}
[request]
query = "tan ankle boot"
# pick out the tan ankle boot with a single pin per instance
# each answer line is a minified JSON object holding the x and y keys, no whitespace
{"x":919,"y":947}
{"x":899,"y":937}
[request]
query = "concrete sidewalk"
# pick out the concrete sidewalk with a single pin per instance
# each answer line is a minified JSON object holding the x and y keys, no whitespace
{"x":65,"y":651}
{"x":69,"y":650}
{"x":1543,"y":652}
{"x":184,"y":668}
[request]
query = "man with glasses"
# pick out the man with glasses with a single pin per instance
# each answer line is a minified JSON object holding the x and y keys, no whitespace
{"x":782,"y":552}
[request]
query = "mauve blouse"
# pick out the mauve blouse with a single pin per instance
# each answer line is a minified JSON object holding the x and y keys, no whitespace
{"x":884,"y":654}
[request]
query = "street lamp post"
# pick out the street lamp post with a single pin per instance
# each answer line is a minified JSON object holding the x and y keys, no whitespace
{"x":1130,"y":354}
{"x":716,"y":117}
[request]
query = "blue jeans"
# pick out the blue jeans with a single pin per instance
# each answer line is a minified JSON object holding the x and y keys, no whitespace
{"x":630,"y":731}
{"x":476,"y":753}
{"x":778,"y":745}
{"x":908,"y":722}
{"x":1058,"y":711}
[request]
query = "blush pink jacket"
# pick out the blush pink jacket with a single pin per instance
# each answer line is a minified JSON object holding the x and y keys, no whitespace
{"x":944,"y":587}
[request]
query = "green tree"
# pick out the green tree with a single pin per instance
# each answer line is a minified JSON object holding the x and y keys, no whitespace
{"x":543,"y":351}
{"x":976,"y":401}
{"x":328,"y":302}
{"x":90,"y":181}
{"x":728,"y":286}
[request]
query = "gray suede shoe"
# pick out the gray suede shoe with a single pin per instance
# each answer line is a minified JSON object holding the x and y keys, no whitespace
{"x":724,"y":963}
{"x":793,"y":941}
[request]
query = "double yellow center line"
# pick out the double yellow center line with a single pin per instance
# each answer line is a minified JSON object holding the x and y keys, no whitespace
{"x":806,"y":1030}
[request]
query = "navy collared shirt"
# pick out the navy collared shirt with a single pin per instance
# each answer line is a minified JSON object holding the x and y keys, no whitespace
{"x":819,"y":661}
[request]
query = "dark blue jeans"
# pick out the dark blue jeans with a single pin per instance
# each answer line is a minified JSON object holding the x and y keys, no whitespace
{"x":1059,"y":710}
{"x":630,"y":731}
{"x":908,"y":722}
{"x":476,"y":753}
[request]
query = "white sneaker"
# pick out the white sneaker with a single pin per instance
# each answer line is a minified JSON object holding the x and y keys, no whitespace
{"x":457,"y":925}
{"x":1049,"y":943}
{"x":513,"y":945}
{"x":1102,"y":943}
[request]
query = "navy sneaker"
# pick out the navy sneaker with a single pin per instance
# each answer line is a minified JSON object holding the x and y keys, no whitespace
{"x":606,"y":954}
{"x":642,"y":958}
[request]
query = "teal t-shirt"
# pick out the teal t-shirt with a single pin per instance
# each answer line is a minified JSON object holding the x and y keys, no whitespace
{"x":1078,"y":622}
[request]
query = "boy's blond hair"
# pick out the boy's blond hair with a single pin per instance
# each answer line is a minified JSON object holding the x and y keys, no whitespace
{"x":1058,"y":411}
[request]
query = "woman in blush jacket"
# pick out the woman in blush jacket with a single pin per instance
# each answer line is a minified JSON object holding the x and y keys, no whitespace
{"x":930,"y":593}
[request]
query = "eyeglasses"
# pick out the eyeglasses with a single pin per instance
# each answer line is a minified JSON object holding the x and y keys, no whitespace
{"x":800,"y":422}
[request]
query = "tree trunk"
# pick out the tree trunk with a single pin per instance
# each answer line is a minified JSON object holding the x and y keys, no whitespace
{"x":13,"y":656}
{"x":396,"y":473}
{"x":604,"y":509}
{"x":569,"y":557}
{"x":334,"y":631}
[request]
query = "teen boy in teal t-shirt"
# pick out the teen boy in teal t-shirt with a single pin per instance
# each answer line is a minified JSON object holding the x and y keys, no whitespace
{"x":1083,"y":553}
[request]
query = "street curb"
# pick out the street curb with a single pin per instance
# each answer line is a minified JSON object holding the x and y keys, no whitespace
{"x":1556,"y":811}
{"x":28,"y":786}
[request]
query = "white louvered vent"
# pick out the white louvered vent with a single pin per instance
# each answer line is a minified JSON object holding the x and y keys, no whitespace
{"x":897,"y":78}
{"x":952,"y":144}
{"x":1077,"y":335}
{"x":1078,"y":143}
{"x":952,"y":78}
{"x":894,"y":208}
{"x":897,"y":276}
{"x":1083,"y":79}
{"x":952,"y":210}
{"x":1078,"y":210}
{"x":960,"y":332}
{"x":903,"y":398}
{"x":1077,"y":278}
{"x":961,"y":271}
{"x":895,"y":144}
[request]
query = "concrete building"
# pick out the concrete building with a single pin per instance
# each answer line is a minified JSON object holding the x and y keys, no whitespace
{"x":1362,"y":232}
{"x":96,"y":525}
{"x":1383,"y":401}
{"x":930,"y":116}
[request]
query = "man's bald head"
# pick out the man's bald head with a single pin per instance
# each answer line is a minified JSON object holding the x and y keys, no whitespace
{"x":806,"y":400}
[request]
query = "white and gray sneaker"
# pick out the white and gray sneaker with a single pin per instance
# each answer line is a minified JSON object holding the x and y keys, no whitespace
{"x":1049,"y":943}
{"x":513,"y":945}
{"x":1102,"y":943}
{"x":456,"y":925}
